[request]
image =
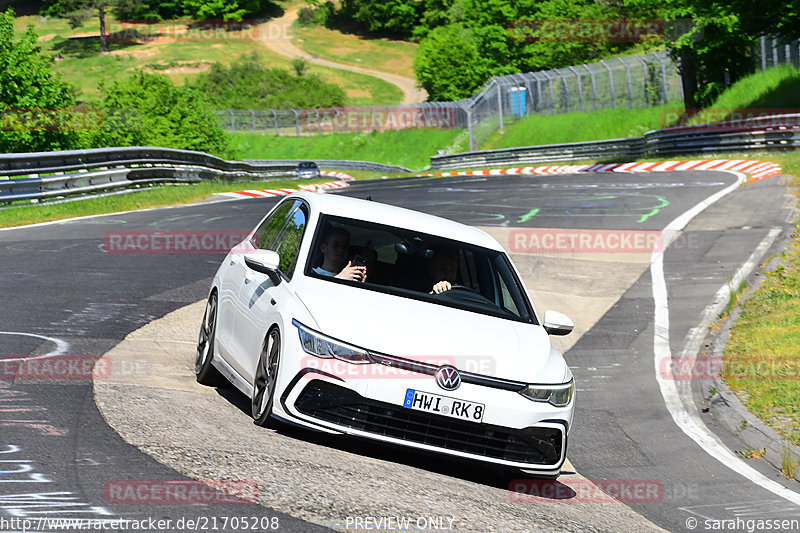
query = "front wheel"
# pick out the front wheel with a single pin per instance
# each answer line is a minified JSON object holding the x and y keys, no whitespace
{"x":265,"y":380}
{"x":204,"y":371}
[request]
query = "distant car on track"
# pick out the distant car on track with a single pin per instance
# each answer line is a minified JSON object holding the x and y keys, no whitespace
{"x":307,"y":170}
{"x":469,"y":372}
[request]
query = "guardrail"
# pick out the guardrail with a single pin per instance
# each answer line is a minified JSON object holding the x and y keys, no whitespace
{"x":51,"y":174}
{"x":777,"y":132}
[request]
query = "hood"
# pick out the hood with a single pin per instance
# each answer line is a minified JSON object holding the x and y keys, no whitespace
{"x":432,"y":333}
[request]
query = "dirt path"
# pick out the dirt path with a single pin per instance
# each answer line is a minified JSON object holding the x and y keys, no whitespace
{"x":275,"y":36}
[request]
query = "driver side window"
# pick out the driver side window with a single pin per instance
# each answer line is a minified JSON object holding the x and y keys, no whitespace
{"x":265,"y":235}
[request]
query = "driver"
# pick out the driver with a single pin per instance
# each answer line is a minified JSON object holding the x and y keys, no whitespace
{"x":443,"y":269}
{"x":335,"y":248}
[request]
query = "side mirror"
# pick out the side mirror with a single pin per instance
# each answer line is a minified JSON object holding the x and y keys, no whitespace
{"x":556,"y":323}
{"x":264,"y":261}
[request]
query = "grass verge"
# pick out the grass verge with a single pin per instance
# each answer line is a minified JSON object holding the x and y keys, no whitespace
{"x":385,"y":55}
{"x":408,"y":148}
{"x":580,"y":127}
{"x":762,"y":362}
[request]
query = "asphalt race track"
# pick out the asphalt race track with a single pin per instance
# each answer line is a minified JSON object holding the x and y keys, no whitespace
{"x":66,"y":295}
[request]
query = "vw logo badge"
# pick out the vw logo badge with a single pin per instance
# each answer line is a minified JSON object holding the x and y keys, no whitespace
{"x":448,"y":378}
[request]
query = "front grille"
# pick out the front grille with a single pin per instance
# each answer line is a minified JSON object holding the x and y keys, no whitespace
{"x":344,"y":407}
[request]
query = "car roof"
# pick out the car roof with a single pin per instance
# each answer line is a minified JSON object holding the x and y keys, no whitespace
{"x":373,"y":211}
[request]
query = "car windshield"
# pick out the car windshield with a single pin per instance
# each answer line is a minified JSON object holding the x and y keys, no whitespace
{"x":307,"y":165}
{"x":408,"y":264}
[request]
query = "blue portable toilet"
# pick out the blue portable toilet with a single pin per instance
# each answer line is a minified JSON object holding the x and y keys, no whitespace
{"x":517,"y":97}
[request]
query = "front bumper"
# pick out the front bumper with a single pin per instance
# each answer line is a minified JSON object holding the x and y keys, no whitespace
{"x":329,"y":403}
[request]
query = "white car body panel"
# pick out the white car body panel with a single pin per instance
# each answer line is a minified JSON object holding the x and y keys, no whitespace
{"x":499,"y":351}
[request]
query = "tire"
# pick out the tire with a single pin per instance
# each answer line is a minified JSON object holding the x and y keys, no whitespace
{"x":204,"y":371}
{"x":265,"y":379}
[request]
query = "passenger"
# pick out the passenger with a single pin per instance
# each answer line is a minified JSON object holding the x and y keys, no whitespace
{"x":335,"y":248}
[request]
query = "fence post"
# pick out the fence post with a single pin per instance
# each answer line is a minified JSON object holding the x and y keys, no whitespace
{"x":296,"y":121}
{"x":499,"y":101}
{"x":762,"y":41}
{"x":664,"y":78}
{"x":645,"y":72}
{"x":469,"y":128}
{"x":774,"y":51}
{"x":594,"y":86}
{"x":233,"y":121}
{"x":630,"y":89}
{"x":611,"y":83}
{"x":538,"y":106}
{"x":551,"y":102}
{"x":275,"y":116}
{"x":580,"y":88}
{"x":319,"y":126}
{"x":563,"y":101}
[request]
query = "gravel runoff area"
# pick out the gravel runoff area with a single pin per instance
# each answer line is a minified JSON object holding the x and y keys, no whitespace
{"x":152,"y":400}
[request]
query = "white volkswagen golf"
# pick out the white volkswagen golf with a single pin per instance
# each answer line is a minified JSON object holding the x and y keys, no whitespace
{"x":354,"y":317}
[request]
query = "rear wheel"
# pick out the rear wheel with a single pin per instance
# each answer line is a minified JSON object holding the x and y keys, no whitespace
{"x":264,"y":382}
{"x":204,"y":371}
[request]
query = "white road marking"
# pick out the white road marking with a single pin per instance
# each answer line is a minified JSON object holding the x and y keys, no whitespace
{"x":60,"y":349}
{"x":686,"y":416}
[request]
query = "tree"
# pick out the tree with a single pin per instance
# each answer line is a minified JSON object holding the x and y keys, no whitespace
{"x":35,"y":104}
{"x":448,"y":64}
{"x":77,"y":11}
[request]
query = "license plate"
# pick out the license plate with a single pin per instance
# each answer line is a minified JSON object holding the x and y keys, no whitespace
{"x":442,"y":405}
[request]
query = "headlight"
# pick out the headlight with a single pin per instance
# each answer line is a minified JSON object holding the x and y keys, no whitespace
{"x":556,"y":395}
{"x":326,"y":347}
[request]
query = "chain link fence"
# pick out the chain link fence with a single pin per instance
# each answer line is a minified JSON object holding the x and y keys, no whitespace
{"x":304,"y":122}
{"x":774,"y":51}
{"x":636,"y":81}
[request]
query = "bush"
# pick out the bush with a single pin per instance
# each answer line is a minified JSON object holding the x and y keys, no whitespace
{"x":248,"y":84}
{"x":148,"y":110}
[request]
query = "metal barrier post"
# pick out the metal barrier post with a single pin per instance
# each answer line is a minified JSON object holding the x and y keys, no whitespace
{"x":233,"y":121}
{"x":296,"y":121}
